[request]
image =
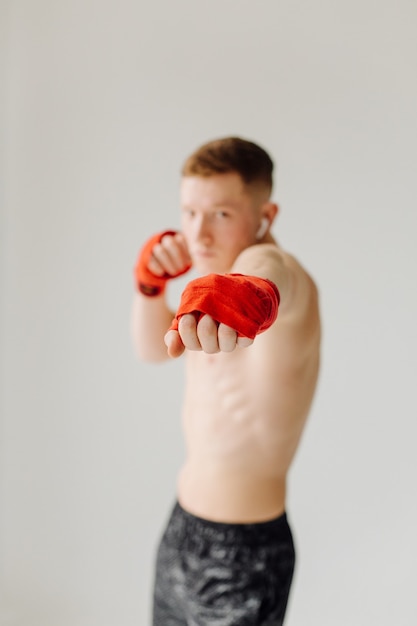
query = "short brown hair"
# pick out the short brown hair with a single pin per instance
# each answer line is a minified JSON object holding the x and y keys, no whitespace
{"x":231,"y":154}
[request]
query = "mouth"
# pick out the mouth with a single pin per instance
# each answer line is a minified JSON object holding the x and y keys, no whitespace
{"x":204,"y":254}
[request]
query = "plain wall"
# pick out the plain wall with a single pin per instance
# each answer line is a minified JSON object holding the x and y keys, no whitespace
{"x":102,"y":101}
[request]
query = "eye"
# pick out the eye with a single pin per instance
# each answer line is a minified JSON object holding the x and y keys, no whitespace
{"x":223,"y":214}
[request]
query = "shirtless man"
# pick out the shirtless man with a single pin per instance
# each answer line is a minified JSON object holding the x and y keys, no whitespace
{"x":227,"y":555}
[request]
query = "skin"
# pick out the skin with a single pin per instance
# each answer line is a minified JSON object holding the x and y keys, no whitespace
{"x":245,"y":402}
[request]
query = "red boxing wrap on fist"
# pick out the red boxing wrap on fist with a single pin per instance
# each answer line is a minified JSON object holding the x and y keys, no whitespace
{"x":248,"y":304}
{"x":147,"y":282}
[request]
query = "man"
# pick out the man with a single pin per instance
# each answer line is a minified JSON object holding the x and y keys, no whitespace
{"x":250,"y":331}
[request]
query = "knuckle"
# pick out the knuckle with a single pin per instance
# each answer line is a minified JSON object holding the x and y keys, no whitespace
{"x":244,"y":342}
{"x":155,"y":266}
{"x":166,"y":240}
{"x":227,"y":331}
{"x":187,"y":323}
{"x":207,"y":334}
{"x":157,"y":254}
{"x":169,"y":244}
{"x":157,"y":249}
{"x":207,"y":324}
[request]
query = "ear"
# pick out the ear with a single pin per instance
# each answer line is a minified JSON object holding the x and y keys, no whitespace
{"x":269,"y":211}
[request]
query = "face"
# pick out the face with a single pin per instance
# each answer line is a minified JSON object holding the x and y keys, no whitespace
{"x":219,"y":219}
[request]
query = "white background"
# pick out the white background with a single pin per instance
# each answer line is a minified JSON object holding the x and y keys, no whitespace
{"x":101,"y":102}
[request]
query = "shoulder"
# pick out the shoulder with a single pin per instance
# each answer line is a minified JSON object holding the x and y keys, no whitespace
{"x":299,"y":271}
{"x":302,"y":286}
{"x":301,"y":291}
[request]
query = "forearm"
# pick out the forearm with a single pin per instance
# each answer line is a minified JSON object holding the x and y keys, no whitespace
{"x":163,"y":257}
{"x":150,"y":320}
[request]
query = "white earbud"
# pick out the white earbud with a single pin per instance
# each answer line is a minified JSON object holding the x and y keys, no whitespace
{"x":262,"y":228}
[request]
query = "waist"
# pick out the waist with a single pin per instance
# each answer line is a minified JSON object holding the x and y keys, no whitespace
{"x":222,"y":495}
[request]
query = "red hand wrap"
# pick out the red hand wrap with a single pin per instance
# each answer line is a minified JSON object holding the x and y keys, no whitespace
{"x":147,"y":282}
{"x":248,"y":304}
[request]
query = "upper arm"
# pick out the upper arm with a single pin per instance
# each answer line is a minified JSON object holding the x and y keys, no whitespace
{"x":302,"y":293}
{"x":298,"y":326}
{"x":298,"y":322}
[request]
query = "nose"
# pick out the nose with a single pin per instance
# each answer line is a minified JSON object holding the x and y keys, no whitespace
{"x":202,"y":229}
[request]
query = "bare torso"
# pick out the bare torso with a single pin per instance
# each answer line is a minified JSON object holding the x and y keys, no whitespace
{"x":243,"y":417}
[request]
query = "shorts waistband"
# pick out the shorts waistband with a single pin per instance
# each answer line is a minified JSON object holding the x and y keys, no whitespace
{"x":187,"y":527}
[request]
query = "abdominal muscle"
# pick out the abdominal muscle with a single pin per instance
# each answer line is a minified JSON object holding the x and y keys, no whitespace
{"x":242,"y":427}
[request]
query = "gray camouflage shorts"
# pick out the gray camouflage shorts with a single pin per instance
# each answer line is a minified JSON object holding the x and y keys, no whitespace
{"x":209,"y":573}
